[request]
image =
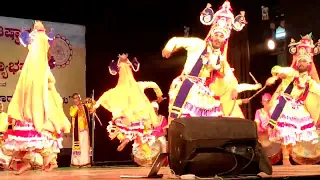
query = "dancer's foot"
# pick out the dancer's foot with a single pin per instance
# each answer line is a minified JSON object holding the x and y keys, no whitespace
{"x":47,"y":160}
{"x":286,"y":161}
{"x":286,"y":155}
{"x":51,"y":167}
{"x":123,"y":144}
{"x":13,"y":165}
{"x":24,"y":167}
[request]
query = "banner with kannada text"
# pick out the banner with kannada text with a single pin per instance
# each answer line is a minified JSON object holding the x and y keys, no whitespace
{"x":66,"y":58}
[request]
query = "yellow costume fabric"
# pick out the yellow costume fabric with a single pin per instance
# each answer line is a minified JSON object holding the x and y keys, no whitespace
{"x":128,"y":100}
{"x":32,"y":100}
{"x":3,"y":122}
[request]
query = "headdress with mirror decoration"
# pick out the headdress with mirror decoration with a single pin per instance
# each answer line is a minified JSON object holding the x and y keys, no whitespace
{"x":223,"y":20}
{"x":305,"y":50}
{"x":123,"y":58}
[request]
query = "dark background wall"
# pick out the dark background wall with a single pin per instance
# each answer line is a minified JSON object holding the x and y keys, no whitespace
{"x":302,"y":19}
{"x":141,"y":28}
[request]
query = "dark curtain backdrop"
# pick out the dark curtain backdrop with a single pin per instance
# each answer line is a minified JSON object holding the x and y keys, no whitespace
{"x":239,"y":59}
{"x":302,"y":19}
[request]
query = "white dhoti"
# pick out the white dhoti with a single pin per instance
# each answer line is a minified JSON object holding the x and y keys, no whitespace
{"x":81,"y":157}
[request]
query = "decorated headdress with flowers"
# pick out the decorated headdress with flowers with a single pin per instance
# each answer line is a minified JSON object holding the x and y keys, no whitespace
{"x":305,"y":49}
{"x":223,"y":20}
{"x":123,"y":58}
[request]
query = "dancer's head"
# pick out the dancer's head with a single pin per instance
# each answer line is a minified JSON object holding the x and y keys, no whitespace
{"x":217,"y":40}
{"x":76,"y":98}
{"x":266,"y":97}
{"x":303,"y":65}
{"x":123,"y":63}
{"x":303,"y":52}
{"x":38,"y":26}
{"x":222,"y":22}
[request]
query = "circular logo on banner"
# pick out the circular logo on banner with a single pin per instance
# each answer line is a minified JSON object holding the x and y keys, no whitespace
{"x":61,"y":51}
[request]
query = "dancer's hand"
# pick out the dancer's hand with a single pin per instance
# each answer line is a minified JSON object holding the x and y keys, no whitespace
{"x":234,"y":94}
{"x":271,"y":80}
{"x":258,"y":86}
{"x":92,"y":110}
{"x":245,"y":101}
{"x":166,"y":53}
{"x":160,"y":99}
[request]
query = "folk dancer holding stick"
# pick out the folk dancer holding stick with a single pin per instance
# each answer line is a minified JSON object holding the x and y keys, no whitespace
{"x":292,"y":117}
{"x":207,"y":81}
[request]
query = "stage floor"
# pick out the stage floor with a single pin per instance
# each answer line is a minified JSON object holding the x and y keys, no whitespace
{"x":115,"y":172}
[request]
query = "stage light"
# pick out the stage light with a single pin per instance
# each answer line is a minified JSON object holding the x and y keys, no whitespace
{"x":271,"y":44}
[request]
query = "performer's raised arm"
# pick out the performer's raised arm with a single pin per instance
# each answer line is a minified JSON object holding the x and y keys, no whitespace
{"x":175,"y":43}
{"x":153,"y":85}
{"x":284,"y":73}
{"x":248,"y":87}
{"x":242,"y":101}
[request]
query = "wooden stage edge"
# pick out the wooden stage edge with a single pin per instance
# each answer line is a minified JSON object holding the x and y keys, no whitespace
{"x":115,"y":172}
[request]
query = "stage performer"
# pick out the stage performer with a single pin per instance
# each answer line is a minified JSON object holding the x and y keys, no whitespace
{"x":262,"y":115}
{"x":207,"y":79}
{"x":162,"y":132}
{"x":36,"y":108}
{"x":134,"y":118}
{"x":82,"y":131}
{"x":291,"y":119}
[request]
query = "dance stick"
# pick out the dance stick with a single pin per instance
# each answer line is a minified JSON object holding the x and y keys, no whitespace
{"x":257,"y":92}
{"x":254,"y":79}
{"x":98,"y":119}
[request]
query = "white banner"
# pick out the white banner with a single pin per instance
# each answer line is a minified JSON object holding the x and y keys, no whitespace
{"x":68,"y":53}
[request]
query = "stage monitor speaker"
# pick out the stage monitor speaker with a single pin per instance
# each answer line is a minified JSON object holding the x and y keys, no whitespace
{"x":207,"y":146}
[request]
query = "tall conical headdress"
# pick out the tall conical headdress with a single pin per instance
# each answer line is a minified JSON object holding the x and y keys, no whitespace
{"x":223,"y":20}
